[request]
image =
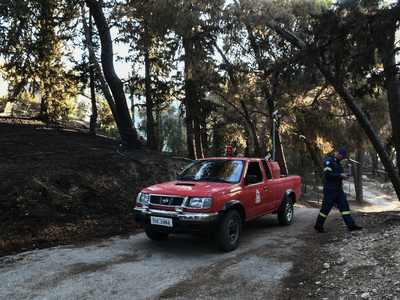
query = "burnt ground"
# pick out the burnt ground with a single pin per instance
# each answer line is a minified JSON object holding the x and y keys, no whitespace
{"x":62,"y":185}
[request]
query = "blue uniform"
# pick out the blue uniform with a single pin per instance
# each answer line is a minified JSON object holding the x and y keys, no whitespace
{"x":333,"y":193}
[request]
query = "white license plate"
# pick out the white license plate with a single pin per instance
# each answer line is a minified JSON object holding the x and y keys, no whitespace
{"x":161,"y":221}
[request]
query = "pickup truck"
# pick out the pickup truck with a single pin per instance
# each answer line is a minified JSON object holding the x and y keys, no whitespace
{"x":217,"y":196}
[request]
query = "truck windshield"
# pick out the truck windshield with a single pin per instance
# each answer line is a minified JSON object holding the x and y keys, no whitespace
{"x":228,"y":171}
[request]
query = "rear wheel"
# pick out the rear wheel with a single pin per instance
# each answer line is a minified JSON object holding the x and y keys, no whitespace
{"x":156,"y":235}
{"x":230,"y":228}
{"x":285,"y":216}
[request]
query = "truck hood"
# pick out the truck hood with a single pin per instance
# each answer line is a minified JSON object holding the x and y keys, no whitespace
{"x":190,"y":188}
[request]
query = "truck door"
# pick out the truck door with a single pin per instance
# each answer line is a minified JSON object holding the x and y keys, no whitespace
{"x":271,"y":188}
{"x":256,"y":191}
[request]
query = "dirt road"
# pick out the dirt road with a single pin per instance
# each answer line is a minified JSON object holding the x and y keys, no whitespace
{"x":182,"y":267}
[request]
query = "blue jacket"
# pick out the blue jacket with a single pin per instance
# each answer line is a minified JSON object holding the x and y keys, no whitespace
{"x":332,"y":170}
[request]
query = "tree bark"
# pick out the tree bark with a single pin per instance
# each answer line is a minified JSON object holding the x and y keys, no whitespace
{"x":96,"y":64}
{"x":189,"y":86}
{"x":151,"y":134}
{"x":198,"y":139}
{"x":257,"y":152}
{"x":374,"y":160}
{"x":89,"y":34}
{"x":129,"y":136}
{"x":351,"y":103}
{"x":310,"y":144}
{"x":357,"y":178}
{"x":192,"y":115}
{"x":388,"y":53}
{"x":94,"y":115}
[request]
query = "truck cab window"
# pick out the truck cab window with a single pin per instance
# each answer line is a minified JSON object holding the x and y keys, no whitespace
{"x":255,"y":170}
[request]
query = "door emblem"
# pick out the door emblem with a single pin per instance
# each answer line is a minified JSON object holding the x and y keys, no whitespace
{"x":258,"y":197}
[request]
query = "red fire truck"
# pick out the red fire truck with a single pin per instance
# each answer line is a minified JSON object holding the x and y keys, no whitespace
{"x":217,"y":196}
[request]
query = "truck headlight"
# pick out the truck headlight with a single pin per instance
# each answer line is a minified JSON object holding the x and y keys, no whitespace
{"x":143,"y":198}
{"x":200,"y":202}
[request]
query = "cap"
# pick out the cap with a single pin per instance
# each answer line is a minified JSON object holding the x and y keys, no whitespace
{"x":343,"y":151}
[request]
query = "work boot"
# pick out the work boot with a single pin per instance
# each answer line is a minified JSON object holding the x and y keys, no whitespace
{"x":355,"y":227}
{"x":320,"y":229}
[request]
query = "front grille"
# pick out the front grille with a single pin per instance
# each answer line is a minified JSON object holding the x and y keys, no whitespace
{"x":166,"y":200}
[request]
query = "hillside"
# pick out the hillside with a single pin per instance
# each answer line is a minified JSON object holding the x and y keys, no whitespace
{"x":63,"y":185}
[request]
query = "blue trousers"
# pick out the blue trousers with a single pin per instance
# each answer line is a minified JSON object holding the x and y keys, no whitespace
{"x":332,"y":196}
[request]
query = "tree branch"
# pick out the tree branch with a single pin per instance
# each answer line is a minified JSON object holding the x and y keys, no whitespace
{"x":351,"y":103}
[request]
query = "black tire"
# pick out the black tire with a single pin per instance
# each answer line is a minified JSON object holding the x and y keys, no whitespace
{"x":155,"y":235}
{"x":229,"y":231}
{"x":285,"y":216}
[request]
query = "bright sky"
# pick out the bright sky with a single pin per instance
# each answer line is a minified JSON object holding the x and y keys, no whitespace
{"x":122,"y":68}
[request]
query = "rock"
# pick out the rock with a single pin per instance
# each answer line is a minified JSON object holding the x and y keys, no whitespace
{"x":340,"y":261}
{"x":365,"y":296}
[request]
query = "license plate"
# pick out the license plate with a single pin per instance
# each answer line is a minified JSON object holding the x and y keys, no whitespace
{"x":161,"y":221}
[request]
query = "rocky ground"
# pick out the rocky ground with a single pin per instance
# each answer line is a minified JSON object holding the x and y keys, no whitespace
{"x":61,"y":185}
{"x":352,"y":265}
{"x":365,"y":265}
{"x":358,"y":265}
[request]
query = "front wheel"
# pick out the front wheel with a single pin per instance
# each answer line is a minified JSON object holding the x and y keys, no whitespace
{"x":230,"y":228}
{"x":285,"y":216}
{"x":155,"y":235}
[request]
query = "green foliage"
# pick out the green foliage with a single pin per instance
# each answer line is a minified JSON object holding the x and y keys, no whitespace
{"x":82,"y":110}
{"x":229,"y":135}
{"x":178,"y":41}
{"x":174,"y":136}
{"x":25,"y":105}
{"x":106,"y":120}
{"x":63,"y":108}
{"x":34,"y":48}
{"x":357,"y":27}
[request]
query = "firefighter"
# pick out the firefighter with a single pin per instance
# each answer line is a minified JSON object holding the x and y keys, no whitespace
{"x":334,"y":194}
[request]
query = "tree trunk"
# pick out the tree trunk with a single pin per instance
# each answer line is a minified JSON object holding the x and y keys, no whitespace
{"x":191,"y":95}
{"x":96,"y":64}
{"x":365,"y":125}
{"x":198,"y":139}
{"x":43,"y":115}
{"x":358,"y":173}
{"x":388,"y":53}
{"x":93,"y":116}
{"x":352,"y":104}
{"x":374,"y":160}
{"x":189,"y":118}
{"x":128,"y":134}
{"x":257,"y":150}
{"x":314,"y":156}
{"x":151,"y":134}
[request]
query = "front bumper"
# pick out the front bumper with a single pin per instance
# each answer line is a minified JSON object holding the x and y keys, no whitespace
{"x":183,"y":222}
